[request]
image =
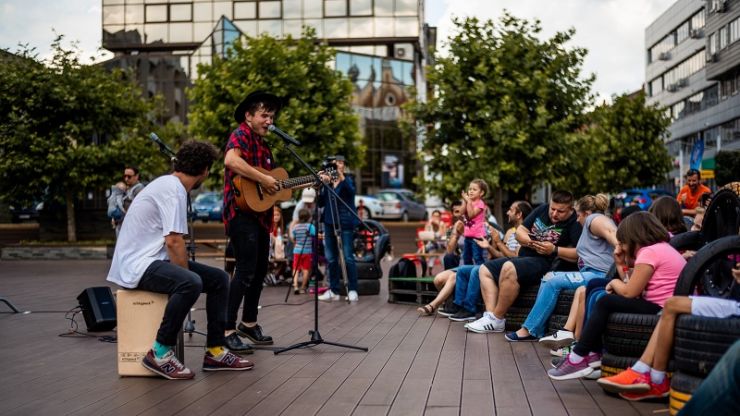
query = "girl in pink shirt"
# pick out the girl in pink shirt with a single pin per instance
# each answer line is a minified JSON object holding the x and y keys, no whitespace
{"x":643,"y":244}
{"x":474,"y":218}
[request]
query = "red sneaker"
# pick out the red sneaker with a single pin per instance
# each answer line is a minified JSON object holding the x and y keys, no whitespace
{"x":656,"y":391}
{"x":628,"y":381}
{"x":168,"y":366}
{"x":227,"y":361}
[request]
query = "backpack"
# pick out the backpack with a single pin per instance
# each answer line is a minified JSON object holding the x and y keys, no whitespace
{"x":403,"y":268}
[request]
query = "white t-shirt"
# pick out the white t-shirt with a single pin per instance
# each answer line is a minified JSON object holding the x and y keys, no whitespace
{"x":158,"y":210}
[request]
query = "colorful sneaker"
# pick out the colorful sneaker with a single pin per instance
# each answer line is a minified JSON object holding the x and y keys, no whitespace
{"x":558,"y":339}
{"x":486,"y":325}
{"x":227,"y":361}
{"x":594,"y":360}
{"x":561,"y":352}
{"x":556,"y":361}
{"x":168,"y":366}
{"x":328,"y":296}
{"x":657,"y":391}
{"x":628,"y":381}
{"x":462,"y":315}
{"x":568,"y":370}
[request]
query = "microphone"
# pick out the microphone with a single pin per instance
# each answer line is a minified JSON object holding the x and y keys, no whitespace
{"x":156,"y":139}
{"x":285,"y":136}
{"x":162,"y":146}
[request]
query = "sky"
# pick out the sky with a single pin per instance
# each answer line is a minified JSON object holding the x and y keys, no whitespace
{"x":613,"y":31}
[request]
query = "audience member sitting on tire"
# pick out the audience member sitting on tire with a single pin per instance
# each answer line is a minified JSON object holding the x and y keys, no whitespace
{"x":595,"y":250}
{"x":668,"y":212}
{"x":548,"y":237}
{"x":647,"y":379}
{"x":718,"y":393}
{"x":464,"y":280}
{"x":643,"y":242}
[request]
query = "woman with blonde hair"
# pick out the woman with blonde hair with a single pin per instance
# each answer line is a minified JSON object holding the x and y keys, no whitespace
{"x":594,"y":249}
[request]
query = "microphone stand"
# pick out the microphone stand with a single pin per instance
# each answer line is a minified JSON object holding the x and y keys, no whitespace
{"x":315,"y":335}
{"x":189,"y":324}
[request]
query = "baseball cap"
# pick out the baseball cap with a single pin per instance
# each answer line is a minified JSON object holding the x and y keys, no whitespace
{"x":308,"y":195}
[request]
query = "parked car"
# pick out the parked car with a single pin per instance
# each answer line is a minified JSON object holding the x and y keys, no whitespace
{"x":644,"y":197}
{"x":401,"y":204}
{"x":368,"y":207}
{"x":25,"y":213}
{"x":207,"y":206}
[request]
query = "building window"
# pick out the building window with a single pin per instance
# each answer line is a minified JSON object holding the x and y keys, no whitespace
{"x":697,"y":20}
{"x":682,"y":32}
{"x":258,"y":9}
{"x":735,"y":30}
{"x":361,"y":7}
{"x":712,"y":44}
{"x":156,"y":13}
{"x":162,"y":13}
{"x":335,"y":8}
{"x":678,"y":76}
{"x":656,"y":86}
{"x":722,"y":37}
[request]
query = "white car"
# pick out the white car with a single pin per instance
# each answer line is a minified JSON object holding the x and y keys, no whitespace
{"x":368,"y":207}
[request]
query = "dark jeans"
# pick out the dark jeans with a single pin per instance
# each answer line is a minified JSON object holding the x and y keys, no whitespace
{"x":184,"y":287}
{"x":332,"y":257}
{"x":596,"y":325}
{"x":251,"y":251}
{"x":467,"y":288}
{"x":472,"y":252}
{"x":450,"y":261}
{"x":717,"y":394}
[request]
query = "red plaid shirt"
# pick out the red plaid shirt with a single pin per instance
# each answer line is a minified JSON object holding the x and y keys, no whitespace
{"x":254,"y":150}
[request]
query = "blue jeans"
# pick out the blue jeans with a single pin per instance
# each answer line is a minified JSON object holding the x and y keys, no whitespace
{"x":332,"y":257}
{"x":472,"y":252}
{"x":547,"y":297}
{"x":467,"y":288}
{"x":717,"y":394}
{"x":184,"y":286}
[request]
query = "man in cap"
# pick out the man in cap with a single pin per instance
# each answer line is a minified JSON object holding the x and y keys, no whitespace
{"x":249,"y":231}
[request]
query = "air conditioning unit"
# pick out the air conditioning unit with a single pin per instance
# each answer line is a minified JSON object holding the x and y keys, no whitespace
{"x":403,"y":51}
{"x":664,"y":56}
{"x":683,"y":82}
{"x":671,"y":88}
{"x":713,"y":57}
{"x":696,"y":33}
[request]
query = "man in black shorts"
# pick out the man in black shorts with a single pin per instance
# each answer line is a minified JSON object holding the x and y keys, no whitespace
{"x":548,"y":237}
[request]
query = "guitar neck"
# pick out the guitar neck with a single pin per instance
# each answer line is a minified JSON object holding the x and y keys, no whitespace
{"x":293,"y":182}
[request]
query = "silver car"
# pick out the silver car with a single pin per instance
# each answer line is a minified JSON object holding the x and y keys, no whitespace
{"x":368,"y":207}
{"x":401,"y":204}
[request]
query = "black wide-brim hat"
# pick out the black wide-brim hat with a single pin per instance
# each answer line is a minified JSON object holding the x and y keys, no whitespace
{"x":257,"y":97}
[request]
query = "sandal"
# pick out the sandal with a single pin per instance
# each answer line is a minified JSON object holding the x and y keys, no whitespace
{"x":426,"y":310}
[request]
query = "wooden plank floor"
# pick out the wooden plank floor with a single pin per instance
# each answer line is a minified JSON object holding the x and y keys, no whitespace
{"x":415,"y":366}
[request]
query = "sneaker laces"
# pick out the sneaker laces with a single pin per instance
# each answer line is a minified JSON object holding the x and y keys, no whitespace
{"x":170,"y":356}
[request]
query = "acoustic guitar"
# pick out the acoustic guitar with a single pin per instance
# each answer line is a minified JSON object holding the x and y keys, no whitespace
{"x":251,"y":197}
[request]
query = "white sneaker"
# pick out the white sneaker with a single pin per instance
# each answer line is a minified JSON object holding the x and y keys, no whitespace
{"x":559,"y":339}
{"x":352,"y":296}
{"x":328,"y":296}
{"x":487,"y":324}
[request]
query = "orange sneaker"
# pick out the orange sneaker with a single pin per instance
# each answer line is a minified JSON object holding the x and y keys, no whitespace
{"x":656,"y":391}
{"x":628,"y":381}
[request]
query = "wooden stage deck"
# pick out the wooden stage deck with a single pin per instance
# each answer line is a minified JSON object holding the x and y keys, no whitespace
{"x":416,"y":365}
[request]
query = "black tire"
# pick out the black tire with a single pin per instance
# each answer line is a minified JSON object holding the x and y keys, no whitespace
{"x":627,"y":334}
{"x":364,"y":288}
{"x":722,"y":217}
{"x":405,"y":217}
{"x":701,"y":342}
{"x":515,"y":317}
{"x":526,"y":298}
{"x":616,"y":363}
{"x":709,"y":269}
{"x":682,"y":388}
{"x":692,"y":240}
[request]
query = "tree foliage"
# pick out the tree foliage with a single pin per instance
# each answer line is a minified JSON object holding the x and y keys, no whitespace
{"x":66,"y":128}
{"x":624,"y":146}
{"x":317,"y":111}
{"x":504,"y":108}
{"x":728,"y":166}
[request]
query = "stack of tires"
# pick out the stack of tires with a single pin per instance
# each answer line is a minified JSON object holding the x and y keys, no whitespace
{"x":517,"y":313}
{"x":371,"y":243}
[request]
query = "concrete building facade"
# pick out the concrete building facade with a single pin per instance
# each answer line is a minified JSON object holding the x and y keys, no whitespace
{"x":692,"y":71}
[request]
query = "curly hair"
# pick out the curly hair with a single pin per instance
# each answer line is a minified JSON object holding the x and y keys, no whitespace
{"x":194,"y":157}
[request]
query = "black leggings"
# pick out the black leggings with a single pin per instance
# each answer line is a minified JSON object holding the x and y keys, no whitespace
{"x":596,"y":325}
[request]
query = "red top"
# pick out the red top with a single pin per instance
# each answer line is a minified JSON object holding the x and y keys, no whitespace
{"x":692,"y":200}
{"x":254,"y":150}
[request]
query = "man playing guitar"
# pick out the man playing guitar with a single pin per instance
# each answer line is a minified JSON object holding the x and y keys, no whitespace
{"x":249,"y":231}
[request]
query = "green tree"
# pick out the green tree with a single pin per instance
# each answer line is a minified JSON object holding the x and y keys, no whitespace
{"x":317,"y":111}
{"x":504,"y":108}
{"x":728,"y":166}
{"x":66,"y":128}
{"x":625,"y":145}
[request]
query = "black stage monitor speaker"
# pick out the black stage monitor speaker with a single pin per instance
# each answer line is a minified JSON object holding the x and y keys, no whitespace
{"x":98,"y":308}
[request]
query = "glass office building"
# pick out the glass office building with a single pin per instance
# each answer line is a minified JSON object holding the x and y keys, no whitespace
{"x":382,"y":46}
